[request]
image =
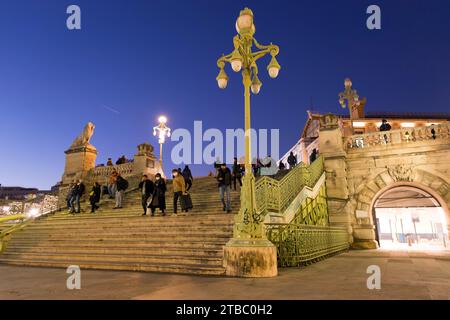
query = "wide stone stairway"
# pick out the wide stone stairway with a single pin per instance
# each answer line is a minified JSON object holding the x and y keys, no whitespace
{"x":122,"y":239}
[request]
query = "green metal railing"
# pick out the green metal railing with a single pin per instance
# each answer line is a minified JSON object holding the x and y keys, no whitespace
{"x":299,"y":245}
{"x":308,"y":237}
{"x":11,"y":224}
{"x":276,"y":195}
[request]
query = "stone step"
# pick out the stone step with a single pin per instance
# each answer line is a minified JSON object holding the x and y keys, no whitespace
{"x":124,"y":258}
{"x":165,"y":268}
{"x":197,"y":236}
{"x":188,"y":251}
{"x":127,"y":230}
{"x":128,"y":243}
{"x":123,"y":239}
{"x":119,"y":227}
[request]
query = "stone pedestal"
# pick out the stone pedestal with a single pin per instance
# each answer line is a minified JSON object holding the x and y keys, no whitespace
{"x":145,"y":161}
{"x":250,"y":258}
{"x":79,"y":161}
{"x":364,"y":237}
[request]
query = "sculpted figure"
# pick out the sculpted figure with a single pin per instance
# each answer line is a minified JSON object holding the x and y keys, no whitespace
{"x":84,"y":138}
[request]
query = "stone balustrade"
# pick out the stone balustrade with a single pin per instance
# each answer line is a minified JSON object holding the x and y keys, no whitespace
{"x":397,"y":137}
{"x":102,"y":173}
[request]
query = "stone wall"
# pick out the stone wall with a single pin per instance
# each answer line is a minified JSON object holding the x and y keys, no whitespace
{"x":357,"y":174}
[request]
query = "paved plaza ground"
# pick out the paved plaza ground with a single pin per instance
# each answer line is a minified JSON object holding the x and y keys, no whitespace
{"x":404,"y":275}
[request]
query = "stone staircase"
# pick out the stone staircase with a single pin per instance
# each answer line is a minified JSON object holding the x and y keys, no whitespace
{"x":122,"y":239}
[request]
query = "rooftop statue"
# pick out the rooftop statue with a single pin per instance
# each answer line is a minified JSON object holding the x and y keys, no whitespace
{"x":84,"y":138}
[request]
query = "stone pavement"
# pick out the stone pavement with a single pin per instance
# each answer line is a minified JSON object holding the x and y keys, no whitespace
{"x":404,"y":275}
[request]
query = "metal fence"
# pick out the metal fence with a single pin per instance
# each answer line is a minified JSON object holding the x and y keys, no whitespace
{"x":299,"y":245}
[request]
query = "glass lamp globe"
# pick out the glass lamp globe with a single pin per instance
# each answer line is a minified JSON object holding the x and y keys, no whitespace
{"x":236,"y":65}
{"x":348,"y":83}
{"x":222,"y":83}
{"x":222,"y":79}
{"x":244,"y":22}
{"x":273,"y":72}
{"x":256,"y":85}
{"x":162,"y":119}
{"x":273,"y":68}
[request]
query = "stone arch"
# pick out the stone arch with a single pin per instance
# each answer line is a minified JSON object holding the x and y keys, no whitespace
{"x":401,"y":175}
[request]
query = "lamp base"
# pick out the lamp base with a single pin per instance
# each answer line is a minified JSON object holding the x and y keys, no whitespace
{"x":250,"y":258}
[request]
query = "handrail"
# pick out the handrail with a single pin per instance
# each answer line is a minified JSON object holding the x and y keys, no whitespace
{"x":276,"y":195}
{"x":23,"y":221}
{"x":399,"y":136}
{"x":299,"y":244}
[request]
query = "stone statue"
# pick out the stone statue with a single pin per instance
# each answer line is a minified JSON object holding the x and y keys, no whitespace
{"x":84,"y":138}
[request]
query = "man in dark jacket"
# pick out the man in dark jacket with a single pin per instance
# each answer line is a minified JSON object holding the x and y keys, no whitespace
{"x":237,"y":173}
{"x":94,"y":197}
{"x":147,"y":187}
{"x":78,"y":192}
{"x":121,"y":186}
{"x":224,"y":177}
{"x":313,"y":156}
{"x":385,"y":126}
{"x":292,"y":160}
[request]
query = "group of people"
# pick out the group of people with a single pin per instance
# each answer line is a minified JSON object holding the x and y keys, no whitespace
{"x":76,"y":191}
{"x":121,"y":160}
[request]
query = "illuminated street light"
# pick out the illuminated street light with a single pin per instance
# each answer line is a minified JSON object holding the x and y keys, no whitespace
{"x":243,"y":60}
{"x":162,"y":131}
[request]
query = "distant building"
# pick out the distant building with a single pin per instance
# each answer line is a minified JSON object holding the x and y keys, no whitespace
{"x":365,"y":124}
{"x":16,"y":193}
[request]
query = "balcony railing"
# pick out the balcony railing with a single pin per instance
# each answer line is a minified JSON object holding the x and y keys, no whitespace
{"x":276,"y":195}
{"x":397,"y":137}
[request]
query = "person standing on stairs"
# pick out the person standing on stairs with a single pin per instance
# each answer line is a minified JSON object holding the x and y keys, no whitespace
{"x":78,"y":192}
{"x":94,"y":197}
{"x":188,"y":178}
{"x":224,"y":178}
{"x":237,"y":173}
{"x":146,"y":186}
{"x":159,"y":195}
{"x":179,"y":188}
{"x":121,"y":186}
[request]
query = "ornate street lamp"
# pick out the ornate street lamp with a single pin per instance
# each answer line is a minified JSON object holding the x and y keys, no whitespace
{"x":353,"y":104}
{"x":248,"y":228}
{"x":162,"y":131}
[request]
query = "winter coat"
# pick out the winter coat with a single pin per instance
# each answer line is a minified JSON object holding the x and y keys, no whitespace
{"x":121,"y":183}
{"x":95,"y":194}
{"x":149,"y":187}
{"x":179,"y":184}
{"x":159,"y":195}
{"x":224,"y":177}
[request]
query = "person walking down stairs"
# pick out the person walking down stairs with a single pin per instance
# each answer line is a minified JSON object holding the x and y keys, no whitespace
{"x":94,"y":197}
{"x":224,"y":178}
{"x":188,"y":178}
{"x":146,"y":186}
{"x":179,"y":188}
{"x":121,"y":186}
{"x":159,"y":195}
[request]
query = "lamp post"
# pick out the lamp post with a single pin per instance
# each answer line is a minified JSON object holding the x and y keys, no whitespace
{"x":249,"y":235}
{"x":162,"y":131}
{"x":350,"y":96}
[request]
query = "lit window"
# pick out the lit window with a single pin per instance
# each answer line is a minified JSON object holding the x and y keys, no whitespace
{"x":359,"y":124}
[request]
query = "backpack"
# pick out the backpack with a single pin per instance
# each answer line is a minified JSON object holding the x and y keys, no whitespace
{"x":125,"y":184}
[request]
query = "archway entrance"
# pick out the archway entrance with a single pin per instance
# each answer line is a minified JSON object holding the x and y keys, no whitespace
{"x":407,"y":217}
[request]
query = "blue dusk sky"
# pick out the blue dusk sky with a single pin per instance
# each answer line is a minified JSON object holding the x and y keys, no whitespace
{"x":134,"y":60}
